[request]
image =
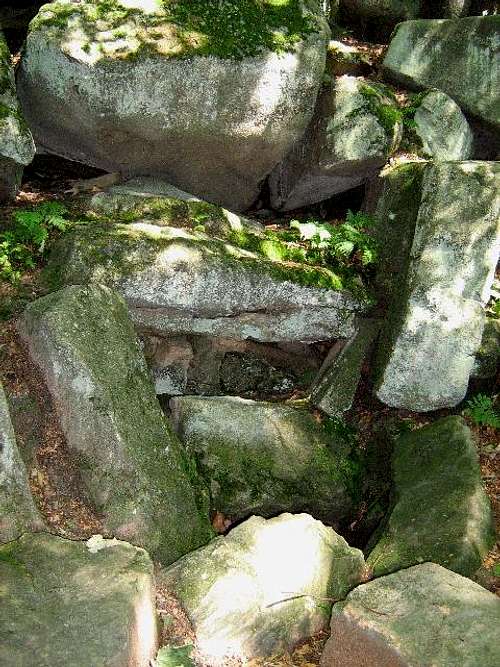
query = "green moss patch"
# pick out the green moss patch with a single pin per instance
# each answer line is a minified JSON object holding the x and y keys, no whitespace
{"x":225,"y":29}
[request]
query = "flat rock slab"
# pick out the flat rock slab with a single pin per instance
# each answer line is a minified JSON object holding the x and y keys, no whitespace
{"x":427,"y":347}
{"x":441,"y":512}
{"x":352,"y":133}
{"x":265,"y":458}
{"x":76,"y":604}
{"x":18,"y":513}
{"x":17,"y":148}
{"x":459,"y":57}
{"x":264,"y":587}
{"x":422,"y":616}
{"x":133,"y":91}
{"x":133,"y":467}
{"x":179,"y":281}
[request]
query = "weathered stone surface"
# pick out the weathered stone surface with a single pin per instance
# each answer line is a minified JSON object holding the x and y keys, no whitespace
{"x":75,"y":604}
{"x":442,"y":128}
{"x":393,"y":198}
{"x":265,"y":458}
{"x":180,"y":282}
{"x":131,"y":90}
{"x":16,"y":143}
{"x":422,"y":616}
{"x":18,"y":513}
{"x":136,"y":472}
{"x":427,"y":348}
{"x":441,"y":512}
{"x":487,"y":359}
{"x":354,"y":130}
{"x":460,"y":57}
{"x":334,"y":390}
{"x":153,"y":198}
{"x":265,"y":586}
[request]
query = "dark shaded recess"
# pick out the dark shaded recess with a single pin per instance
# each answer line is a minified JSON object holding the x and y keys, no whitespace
{"x":14,"y":20}
{"x":51,"y":172}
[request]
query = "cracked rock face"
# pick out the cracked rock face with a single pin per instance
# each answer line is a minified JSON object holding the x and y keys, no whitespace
{"x":124,"y":95}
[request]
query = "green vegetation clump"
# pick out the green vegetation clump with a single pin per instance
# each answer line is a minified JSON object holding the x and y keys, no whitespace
{"x":226,"y":28}
{"x":482,"y":412}
{"x":25,"y":241}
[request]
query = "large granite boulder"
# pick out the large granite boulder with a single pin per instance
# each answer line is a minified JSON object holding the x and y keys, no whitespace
{"x":209,"y":95}
{"x":427,"y":347}
{"x":459,"y":57}
{"x":135,"y":470}
{"x":441,"y":512}
{"x":265,"y":458}
{"x":18,"y":513}
{"x":442,"y":129}
{"x":355,"y":128}
{"x":264,"y":587}
{"x":16,"y":143}
{"x":76,"y":604}
{"x":422,"y":616}
{"x":179,"y":281}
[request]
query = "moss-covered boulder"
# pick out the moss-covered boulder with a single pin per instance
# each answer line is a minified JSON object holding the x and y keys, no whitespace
{"x":355,"y":128}
{"x":180,"y":281}
{"x":264,"y":587}
{"x":16,"y":143}
{"x":487,"y":361}
{"x":422,"y":616}
{"x":441,"y":129}
{"x":459,"y":57}
{"x":76,"y":604}
{"x":335,"y":387}
{"x":210,"y":95}
{"x":441,"y":512}
{"x":265,"y":458}
{"x":18,"y":513}
{"x":135,"y":470}
{"x":428,"y":343}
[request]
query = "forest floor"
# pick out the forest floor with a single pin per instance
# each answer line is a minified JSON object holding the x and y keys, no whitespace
{"x":55,"y":482}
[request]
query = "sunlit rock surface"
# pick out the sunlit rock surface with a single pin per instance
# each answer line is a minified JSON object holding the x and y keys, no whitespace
{"x":132,"y":465}
{"x":65,"y":603}
{"x":354,"y":130}
{"x":16,"y":143}
{"x":441,"y":512}
{"x":181,"y":281}
{"x":422,"y":616}
{"x":132,"y":89}
{"x":426,"y":351}
{"x":265,"y":586}
{"x":459,"y":57}
{"x":442,"y":128}
{"x":18,"y":513}
{"x":265,"y":458}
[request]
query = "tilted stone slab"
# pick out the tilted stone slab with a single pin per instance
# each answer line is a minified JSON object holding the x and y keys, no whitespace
{"x":347,"y":141}
{"x":132,"y":91}
{"x":459,"y":57}
{"x":18,"y":513}
{"x":442,"y":128}
{"x":76,"y":604}
{"x":422,"y":616}
{"x":265,"y":586}
{"x":441,"y":512}
{"x":265,"y":458}
{"x":16,"y":143}
{"x":335,"y":388}
{"x":134,"y":468}
{"x":427,"y":348}
{"x":179,"y":281}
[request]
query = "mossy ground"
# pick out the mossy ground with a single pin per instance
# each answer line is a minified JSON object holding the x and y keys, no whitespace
{"x":183,"y":28}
